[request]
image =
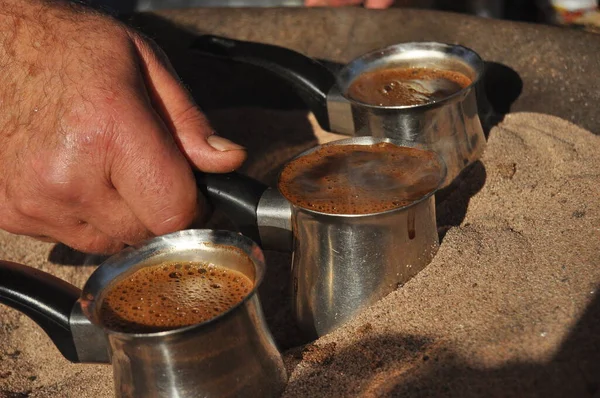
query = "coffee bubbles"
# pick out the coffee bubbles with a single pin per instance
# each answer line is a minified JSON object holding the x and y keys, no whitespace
{"x":360,"y":179}
{"x":406,"y":86}
{"x":172,"y":295}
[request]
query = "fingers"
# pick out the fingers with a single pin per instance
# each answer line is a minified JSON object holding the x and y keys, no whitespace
{"x":101,"y":222}
{"x":85,"y":238}
{"x":90,"y":230}
{"x":112,"y":216}
{"x":150,"y":173}
{"x":189,"y":127}
{"x":74,"y":233}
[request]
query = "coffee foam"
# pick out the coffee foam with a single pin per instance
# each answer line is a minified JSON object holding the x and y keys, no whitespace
{"x":172,"y":295}
{"x":406,"y":86}
{"x":360,"y":179}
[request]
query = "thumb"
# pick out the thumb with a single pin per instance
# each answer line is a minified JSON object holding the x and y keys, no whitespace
{"x":188,"y":125}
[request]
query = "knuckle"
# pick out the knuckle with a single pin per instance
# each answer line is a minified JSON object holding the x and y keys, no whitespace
{"x":190,"y":115}
{"x":44,"y":187}
{"x":15,"y":223}
{"x":29,"y":207}
{"x":57,"y":184}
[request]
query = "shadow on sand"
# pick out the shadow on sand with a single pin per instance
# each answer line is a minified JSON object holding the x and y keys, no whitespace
{"x":412,"y":366}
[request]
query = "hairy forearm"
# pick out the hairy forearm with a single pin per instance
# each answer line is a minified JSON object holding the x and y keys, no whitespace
{"x":28,"y":28}
{"x":24,"y":47}
{"x":38,"y":38}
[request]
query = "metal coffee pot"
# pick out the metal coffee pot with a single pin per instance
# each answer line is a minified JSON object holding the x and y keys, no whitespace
{"x":232,"y":355}
{"x":341,"y":263}
{"x":450,"y":127}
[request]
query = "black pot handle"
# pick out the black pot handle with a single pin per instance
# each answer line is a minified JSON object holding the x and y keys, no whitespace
{"x":44,"y":298}
{"x":310,"y":79}
{"x":237,"y":196}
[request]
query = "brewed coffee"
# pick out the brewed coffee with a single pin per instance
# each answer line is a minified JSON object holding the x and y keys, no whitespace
{"x":406,"y":86}
{"x":360,"y":179}
{"x":172,"y":295}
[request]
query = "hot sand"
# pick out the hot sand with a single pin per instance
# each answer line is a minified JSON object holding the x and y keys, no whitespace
{"x":507,"y":308}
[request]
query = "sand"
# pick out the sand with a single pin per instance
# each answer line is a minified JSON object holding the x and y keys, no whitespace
{"x":508,"y":307}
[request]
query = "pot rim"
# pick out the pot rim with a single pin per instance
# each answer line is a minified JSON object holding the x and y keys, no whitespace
{"x":469,"y":56}
{"x":97,"y":283}
{"x":366,"y":140}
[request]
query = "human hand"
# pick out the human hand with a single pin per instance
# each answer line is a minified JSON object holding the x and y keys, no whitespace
{"x":96,"y":132}
{"x":340,"y":3}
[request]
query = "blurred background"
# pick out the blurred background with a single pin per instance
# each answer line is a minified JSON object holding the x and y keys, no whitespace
{"x":574,"y":13}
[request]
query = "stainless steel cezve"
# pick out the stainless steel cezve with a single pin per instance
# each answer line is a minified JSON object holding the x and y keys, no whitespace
{"x":232,"y":355}
{"x":341,"y":263}
{"x":451,"y":127}
{"x":344,"y":263}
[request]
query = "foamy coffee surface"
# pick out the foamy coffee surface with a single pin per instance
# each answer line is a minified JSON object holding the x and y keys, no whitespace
{"x":360,"y":179}
{"x":172,"y":295}
{"x":406,"y":86}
